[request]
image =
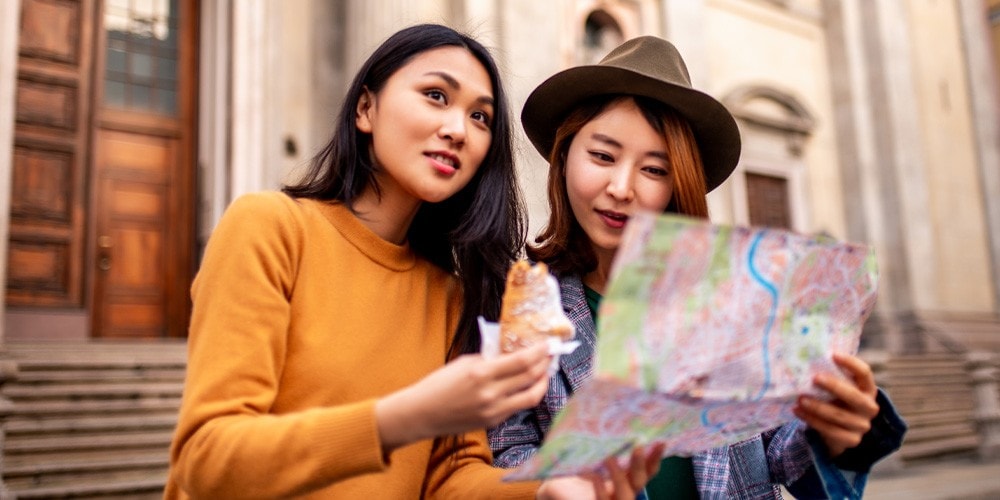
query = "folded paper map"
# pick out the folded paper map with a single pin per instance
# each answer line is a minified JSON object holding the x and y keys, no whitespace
{"x":706,"y":336}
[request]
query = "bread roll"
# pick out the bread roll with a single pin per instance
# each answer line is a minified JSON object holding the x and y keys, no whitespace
{"x":531,"y":309}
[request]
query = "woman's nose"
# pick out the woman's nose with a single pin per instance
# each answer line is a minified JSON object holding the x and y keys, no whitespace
{"x":621,"y":183}
{"x":453,"y":127}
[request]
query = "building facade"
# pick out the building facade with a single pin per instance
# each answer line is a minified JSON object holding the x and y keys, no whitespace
{"x":127,"y":126}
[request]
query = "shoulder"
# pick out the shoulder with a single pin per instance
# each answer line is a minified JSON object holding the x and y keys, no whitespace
{"x":571,"y":288}
{"x":266,"y":210}
{"x":266,"y":204}
{"x":261,"y":216}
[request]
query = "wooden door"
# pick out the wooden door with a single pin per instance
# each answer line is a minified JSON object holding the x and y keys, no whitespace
{"x":767,"y":197}
{"x":142,"y":180}
{"x":45,"y":268}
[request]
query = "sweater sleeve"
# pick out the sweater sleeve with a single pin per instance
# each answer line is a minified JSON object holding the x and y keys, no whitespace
{"x":226,"y":444}
{"x":460,"y":467}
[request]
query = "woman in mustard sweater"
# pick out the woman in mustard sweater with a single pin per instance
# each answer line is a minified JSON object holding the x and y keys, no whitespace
{"x":323,"y":316}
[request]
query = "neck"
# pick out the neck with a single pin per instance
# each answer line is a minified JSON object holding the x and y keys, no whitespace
{"x":389,"y":216}
{"x":597,"y":279}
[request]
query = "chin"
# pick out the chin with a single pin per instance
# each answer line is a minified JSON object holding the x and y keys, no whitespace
{"x":607,"y":244}
{"x":436,"y":197}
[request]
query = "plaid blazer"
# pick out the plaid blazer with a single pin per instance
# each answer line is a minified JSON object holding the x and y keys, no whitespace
{"x":752,"y":469}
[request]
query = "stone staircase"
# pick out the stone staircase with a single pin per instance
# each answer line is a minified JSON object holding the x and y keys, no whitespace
{"x":970,"y":332}
{"x":91,"y":420}
{"x":935,"y":396}
{"x":95,"y":420}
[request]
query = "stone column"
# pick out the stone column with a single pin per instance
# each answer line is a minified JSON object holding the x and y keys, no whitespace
{"x":248,"y":94}
{"x":982,"y":367}
{"x":983,"y":87}
{"x":883,"y":175}
{"x":684,"y":22}
{"x":329,"y":76}
{"x":10,"y":16}
{"x":369,"y":22}
{"x":214,"y":128}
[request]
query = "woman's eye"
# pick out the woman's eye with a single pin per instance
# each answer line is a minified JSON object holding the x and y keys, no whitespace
{"x":436,"y":95}
{"x":657,"y":171}
{"x":601,"y":156}
{"x":481,"y":116}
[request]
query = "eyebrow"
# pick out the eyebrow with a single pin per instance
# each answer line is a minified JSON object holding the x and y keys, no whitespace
{"x":453,"y":83}
{"x":611,"y":142}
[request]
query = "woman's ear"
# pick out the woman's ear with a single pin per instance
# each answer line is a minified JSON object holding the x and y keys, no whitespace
{"x":362,"y":115}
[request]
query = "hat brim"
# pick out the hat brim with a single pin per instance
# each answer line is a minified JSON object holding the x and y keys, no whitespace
{"x":714,"y":128}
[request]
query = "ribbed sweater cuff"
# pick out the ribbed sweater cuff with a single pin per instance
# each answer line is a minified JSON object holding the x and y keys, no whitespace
{"x":347,"y":439}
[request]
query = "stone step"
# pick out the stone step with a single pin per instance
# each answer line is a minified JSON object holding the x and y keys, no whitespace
{"x":158,"y":349}
{"x":932,"y":377}
{"x":939,"y":432}
{"x":926,"y":449}
{"x":79,"y":392}
{"x":92,"y":420}
{"x":950,"y":394}
{"x":122,"y":440}
{"x":59,"y":466}
{"x":131,"y":485}
{"x":928,"y":383}
{"x":922,"y":413}
{"x":98,"y":375}
{"x":928,"y":359}
{"x":962,"y":399}
{"x":909,"y":365}
{"x":98,"y":361}
{"x":95,"y":407}
{"x":910,"y":402}
{"x":919,"y":419}
{"x":924,"y":373}
{"x":69,"y":425}
{"x":942,"y":393}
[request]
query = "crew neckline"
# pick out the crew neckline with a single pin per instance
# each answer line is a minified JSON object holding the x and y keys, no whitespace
{"x":386,"y":253}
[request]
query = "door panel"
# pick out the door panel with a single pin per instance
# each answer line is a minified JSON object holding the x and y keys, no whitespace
{"x":143,"y":169}
{"x":50,"y":29}
{"x":132,"y":229}
{"x":767,"y":197}
{"x":45,"y":267}
{"x":102,"y":205}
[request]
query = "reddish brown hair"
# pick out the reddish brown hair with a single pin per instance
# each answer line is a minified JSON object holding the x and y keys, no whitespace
{"x":563,"y":245}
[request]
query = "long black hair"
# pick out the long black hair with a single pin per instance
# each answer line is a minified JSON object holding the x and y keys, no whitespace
{"x":477,"y":232}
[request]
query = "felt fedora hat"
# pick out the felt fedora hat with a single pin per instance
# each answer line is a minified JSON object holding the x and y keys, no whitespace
{"x":645,"y":66}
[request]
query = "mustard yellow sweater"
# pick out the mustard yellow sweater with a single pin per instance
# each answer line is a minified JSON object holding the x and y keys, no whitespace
{"x":302,"y":318}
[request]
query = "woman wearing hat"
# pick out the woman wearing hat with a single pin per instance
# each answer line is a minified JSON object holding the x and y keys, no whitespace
{"x":628,"y":134}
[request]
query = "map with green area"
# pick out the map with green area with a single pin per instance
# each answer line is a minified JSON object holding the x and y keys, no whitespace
{"x":707,"y":334}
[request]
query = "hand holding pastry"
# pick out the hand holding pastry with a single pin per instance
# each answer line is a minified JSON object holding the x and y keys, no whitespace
{"x":467,"y":393}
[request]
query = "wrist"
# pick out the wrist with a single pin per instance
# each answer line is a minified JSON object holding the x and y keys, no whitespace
{"x":398,"y":425}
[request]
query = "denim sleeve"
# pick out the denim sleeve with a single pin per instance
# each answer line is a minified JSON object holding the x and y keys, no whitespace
{"x":847,"y":475}
{"x":885,"y":437}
